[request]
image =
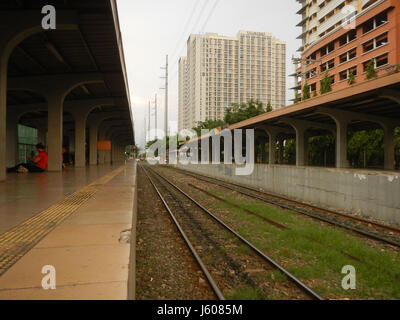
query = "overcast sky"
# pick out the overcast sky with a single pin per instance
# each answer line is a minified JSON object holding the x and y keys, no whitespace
{"x":153,"y":28}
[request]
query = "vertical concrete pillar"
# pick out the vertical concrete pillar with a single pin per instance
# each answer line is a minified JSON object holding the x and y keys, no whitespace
{"x":272,"y":148}
{"x":3,"y":114}
{"x":80,"y":141}
{"x":12,"y":140}
{"x":300,"y":146}
{"x":101,"y":153}
{"x":341,"y":142}
{"x":55,"y":124}
{"x":263,"y":152}
{"x":306,"y":149}
{"x":93,"y":144}
{"x":389,"y":147}
{"x":281,"y":150}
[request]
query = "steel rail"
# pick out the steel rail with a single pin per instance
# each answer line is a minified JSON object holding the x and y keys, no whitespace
{"x":299,"y":283}
{"x":226,"y":184}
{"x":207,"y":274}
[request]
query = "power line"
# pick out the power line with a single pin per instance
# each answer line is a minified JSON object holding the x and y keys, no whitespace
{"x":209,"y":15}
{"x":202,"y":30}
{"x":194,"y":27}
{"x":186,"y":26}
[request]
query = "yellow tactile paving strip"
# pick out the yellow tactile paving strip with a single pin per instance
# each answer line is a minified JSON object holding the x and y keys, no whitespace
{"x":15,"y":243}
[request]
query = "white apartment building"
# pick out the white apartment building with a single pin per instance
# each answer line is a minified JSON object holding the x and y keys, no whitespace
{"x":219,"y":71}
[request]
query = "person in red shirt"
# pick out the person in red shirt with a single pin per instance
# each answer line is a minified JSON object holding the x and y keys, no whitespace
{"x":38,"y":164}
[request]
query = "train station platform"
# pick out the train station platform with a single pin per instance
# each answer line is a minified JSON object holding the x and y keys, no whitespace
{"x":76,"y":221}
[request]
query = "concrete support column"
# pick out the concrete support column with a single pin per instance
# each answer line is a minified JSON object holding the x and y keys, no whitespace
{"x":119,"y":157}
{"x":389,"y":147}
{"x":102,"y":153}
{"x":341,"y":142}
{"x":55,"y":132}
{"x":263,"y":153}
{"x":300,"y":146}
{"x":281,"y":150}
{"x":12,"y":140}
{"x":80,"y":141}
{"x":93,"y":144}
{"x":3,"y":114}
{"x":306,"y":150}
{"x":272,"y":148}
{"x":115,"y":152}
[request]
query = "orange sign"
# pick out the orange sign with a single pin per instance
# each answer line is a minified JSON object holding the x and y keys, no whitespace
{"x":104,"y":145}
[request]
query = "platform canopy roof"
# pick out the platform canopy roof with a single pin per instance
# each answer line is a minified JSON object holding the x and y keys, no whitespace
{"x":95,"y":46}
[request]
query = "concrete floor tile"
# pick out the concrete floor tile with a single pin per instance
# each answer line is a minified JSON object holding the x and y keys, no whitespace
{"x":74,"y":265}
{"x":100,"y":217}
{"x":83,"y":235}
{"x":95,"y":291}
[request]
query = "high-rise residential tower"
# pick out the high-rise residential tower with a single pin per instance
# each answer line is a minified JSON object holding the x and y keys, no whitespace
{"x":219,"y":71}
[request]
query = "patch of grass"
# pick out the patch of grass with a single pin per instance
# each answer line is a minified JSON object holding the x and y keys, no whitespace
{"x":243,"y":249}
{"x":245,"y":293}
{"x":316,"y":252}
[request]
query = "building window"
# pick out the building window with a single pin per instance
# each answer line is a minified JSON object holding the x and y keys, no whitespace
{"x":327,"y":65}
{"x":344,"y":75}
{"x":379,"y":61}
{"x":348,"y":37}
{"x":374,"y":23}
{"x":327,"y":49}
{"x":382,"y":60}
{"x":381,"y":40}
{"x":348,"y":56}
{"x":375,"y":43}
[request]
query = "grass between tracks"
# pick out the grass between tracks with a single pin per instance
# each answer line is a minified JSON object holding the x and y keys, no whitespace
{"x":315,"y":252}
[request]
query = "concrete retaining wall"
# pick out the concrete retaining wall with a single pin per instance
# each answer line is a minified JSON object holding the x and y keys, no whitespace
{"x":374,"y":194}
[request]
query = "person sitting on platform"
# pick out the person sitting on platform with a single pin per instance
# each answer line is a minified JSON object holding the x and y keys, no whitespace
{"x":38,"y":164}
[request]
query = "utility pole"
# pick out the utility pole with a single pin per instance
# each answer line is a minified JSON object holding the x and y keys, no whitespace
{"x":145,"y":132}
{"x":149,"y":124}
{"x":166,"y":97}
{"x":155,"y":116}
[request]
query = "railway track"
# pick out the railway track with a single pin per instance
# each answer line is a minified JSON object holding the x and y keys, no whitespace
{"x":366,"y":228}
{"x":181,"y":209}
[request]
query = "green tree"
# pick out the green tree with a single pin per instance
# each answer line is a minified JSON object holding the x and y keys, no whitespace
{"x":306,"y":92}
{"x":366,"y":148}
{"x":208,"y":125}
{"x":352,"y":78}
{"x":289,"y":154}
{"x":315,"y":93}
{"x":296,"y":97}
{"x":321,"y":150}
{"x":269,"y":107}
{"x":237,"y":113}
{"x":326,"y":83}
{"x":371,"y":72}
